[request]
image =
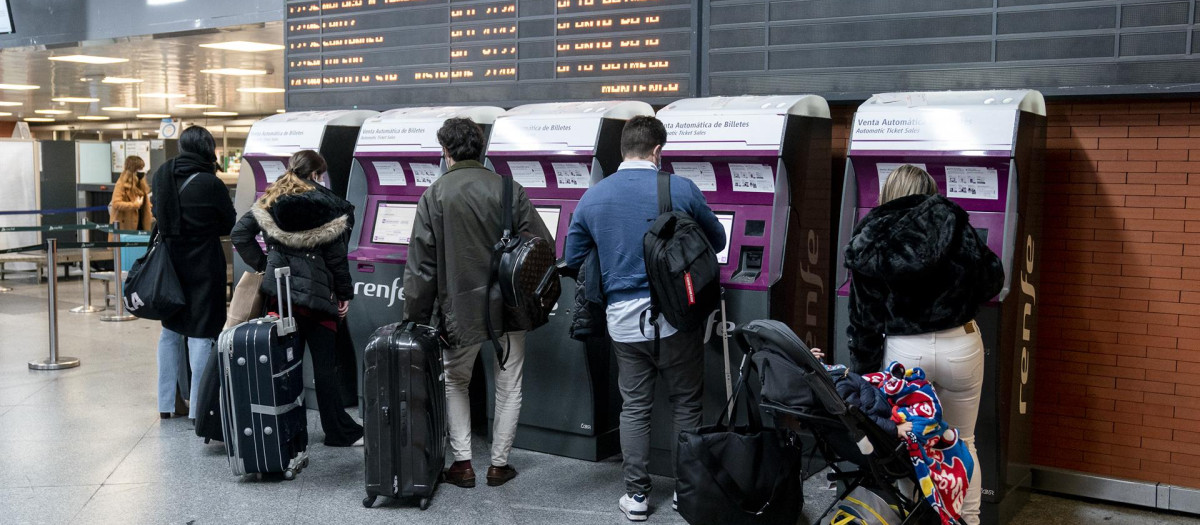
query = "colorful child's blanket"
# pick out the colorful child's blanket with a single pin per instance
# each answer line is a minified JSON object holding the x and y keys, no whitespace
{"x":942,"y":462}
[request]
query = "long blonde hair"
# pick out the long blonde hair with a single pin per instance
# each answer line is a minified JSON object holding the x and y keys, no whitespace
{"x":907,"y":180}
{"x":303,"y":165}
{"x":133,"y":164}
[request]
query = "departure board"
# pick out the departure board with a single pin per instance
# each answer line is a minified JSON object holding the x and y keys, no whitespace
{"x":388,"y":53}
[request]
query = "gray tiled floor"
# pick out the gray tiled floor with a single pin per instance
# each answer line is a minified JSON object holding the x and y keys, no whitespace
{"x":85,"y":446}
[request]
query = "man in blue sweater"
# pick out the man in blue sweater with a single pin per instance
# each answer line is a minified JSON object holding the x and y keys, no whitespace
{"x":612,"y":217}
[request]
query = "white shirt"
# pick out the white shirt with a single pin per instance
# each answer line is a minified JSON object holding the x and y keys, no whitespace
{"x":627,"y":319}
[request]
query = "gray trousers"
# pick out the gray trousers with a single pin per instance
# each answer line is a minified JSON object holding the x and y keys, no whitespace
{"x":681,"y":364}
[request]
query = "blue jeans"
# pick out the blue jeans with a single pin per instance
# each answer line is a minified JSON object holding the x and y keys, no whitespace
{"x":173,"y":368}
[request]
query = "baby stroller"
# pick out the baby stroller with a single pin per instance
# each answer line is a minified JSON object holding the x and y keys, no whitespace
{"x":861,"y":455}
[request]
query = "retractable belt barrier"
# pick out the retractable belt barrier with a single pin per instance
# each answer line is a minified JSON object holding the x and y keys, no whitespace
{"x":53,"y":211}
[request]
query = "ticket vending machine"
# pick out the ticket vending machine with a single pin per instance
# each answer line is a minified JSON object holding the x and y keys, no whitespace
{"x":763,"y":164}
{"x":556,"y":151}
{"x":269,"y":145}
{"x":985,"y":149}
{"x":397,"y":156}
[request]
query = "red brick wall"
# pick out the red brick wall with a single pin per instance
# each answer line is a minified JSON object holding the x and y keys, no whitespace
{"x":1117,"y":388}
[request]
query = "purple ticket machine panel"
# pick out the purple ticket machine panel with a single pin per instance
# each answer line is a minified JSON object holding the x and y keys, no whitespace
{"x":984,"y":149}
{"x":396,"y":157}
{"x":556,"y":151}
{"x":763,"y":164}
{"x":270,"y":144}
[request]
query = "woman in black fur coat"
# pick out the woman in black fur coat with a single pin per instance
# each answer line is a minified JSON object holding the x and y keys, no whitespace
{"x":919,"y":273}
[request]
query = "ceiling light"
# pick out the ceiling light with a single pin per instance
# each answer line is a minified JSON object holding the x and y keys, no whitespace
{"x":79,"y":100}
{"x":23,"y":87}
{"x":236,"y":71}
{"x":121,"y":109}
{"x":93,"y":117}
{"x":6,"y":103}
{"x":244,"y":46}
{"x":260,"y":90}
{"x":220,"y":113}
{"x":161,"y":95}
{"x":195,"y":106}
{"x":162,"y":2}
{"x":153,"y":115}
{"x":52,"y":111}
{"x":38,"y":119}
{"x":281,"y":111}
{"x":89,"y":59}
{"x":122,"y":80}
{"x":5,"y":114}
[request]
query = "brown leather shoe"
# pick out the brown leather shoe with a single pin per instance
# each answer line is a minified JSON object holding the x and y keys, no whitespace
{"x":497,"y":476}
{"x":460,"y":474}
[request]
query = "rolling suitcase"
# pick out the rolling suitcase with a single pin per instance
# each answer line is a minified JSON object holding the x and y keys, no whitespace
{"x":208,"y":402}
{"x":404,"y":421}
{"x":262,"y":392}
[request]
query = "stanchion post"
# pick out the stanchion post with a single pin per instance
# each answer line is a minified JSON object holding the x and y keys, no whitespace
{"x":86,"y":307}
{"x":54,"y":362}
{"x":119,"y":278}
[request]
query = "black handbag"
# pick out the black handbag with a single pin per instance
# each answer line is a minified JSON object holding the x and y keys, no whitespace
{"x":152,"y":290}
{"x":734,"y":475}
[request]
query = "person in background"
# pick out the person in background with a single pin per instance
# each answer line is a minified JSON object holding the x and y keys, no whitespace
{"x":612,"y":218}
{"x":307,"y":228}
{"x":193,"y":211}
{"x":130,"y":205}
{"x":458,"y":223}
{"x":919,"y":271}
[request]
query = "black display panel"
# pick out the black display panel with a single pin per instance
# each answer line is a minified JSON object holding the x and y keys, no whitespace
{"x":388,"y":53}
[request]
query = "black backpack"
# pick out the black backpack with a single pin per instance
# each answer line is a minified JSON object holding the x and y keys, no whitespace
{"x":685,"y":279}
{"x":524,"y":266}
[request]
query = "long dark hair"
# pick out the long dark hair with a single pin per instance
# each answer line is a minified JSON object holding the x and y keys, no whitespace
{"x":198,"y":141}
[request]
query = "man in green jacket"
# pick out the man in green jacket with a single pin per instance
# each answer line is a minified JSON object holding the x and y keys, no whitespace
{"x":449,"y":264}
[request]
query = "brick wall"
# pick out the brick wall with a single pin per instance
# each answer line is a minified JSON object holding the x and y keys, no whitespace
{"x":1117,"y":390}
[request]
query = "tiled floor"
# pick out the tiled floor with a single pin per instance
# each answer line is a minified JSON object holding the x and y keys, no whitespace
{"x":86,"y":446}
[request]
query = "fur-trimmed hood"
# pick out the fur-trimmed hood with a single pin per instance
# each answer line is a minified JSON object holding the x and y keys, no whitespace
{"x":303,"y":239}
{"x":306,"y":220}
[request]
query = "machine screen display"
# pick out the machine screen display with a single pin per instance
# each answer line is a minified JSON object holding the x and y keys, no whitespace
{"x":394,"y":222}
{"x":983,"y":233}
{"x":550,"y":217}
{"x":726,"y":220}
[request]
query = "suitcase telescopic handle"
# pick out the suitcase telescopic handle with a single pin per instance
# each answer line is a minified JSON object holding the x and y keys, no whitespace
{"x":283,"y":285}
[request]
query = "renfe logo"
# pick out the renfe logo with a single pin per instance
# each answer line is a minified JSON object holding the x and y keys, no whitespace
{"x":1029,"y":299}
{"x":812,"y":303}
{"x":381,"y":291}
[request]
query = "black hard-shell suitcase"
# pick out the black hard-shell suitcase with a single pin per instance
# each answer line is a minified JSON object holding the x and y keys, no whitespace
{"x":208,"y":402}
{"x":404,"y":421}
{"x":262,"y":392}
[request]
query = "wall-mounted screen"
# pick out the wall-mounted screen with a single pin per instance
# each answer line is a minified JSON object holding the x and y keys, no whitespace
{"x":550,"y":217}
{"x":394,"y":222}
{"x":726,"y":220}
{"x":6,"y":22}
{"x":94,"y":162}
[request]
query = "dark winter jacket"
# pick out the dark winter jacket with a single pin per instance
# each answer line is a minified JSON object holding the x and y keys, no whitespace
{"x":870,"y":400}
{"x":192,"y":222}
{"x":307,"y":232}
{"x":588,"y":318}
{"x":450,"y":253}
{"x":917,"y":266}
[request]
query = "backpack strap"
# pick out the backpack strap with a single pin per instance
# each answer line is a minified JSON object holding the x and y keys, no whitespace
{"x":188,"y":181}
{"x":507,"y":221}
{"x":664,"y":192}
{"x":506,"y":224}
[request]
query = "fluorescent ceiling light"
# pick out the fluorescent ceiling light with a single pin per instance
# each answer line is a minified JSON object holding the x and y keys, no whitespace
{"x":22,"y":87}
{"x":89,"y":59}
{"x":38,"y":119}
{"x":93,"y":117}
{"x":162,"y":2}
{"x":260,"y":90}
{"x":235,"y":71}
{"x":52,"y":111}
{"x":244,"y":46}
{"x":195,"y":106}
{"x":281,"y":111}
{"x":220,"y":113}
{"x":161,"y":95}
{"x":5,"y":114}
{"x":121,"y":109}
{"x":153,"y":115}
{"x":7,"y":103}
{"x":122,"y":80}
{"x":79,"y":100}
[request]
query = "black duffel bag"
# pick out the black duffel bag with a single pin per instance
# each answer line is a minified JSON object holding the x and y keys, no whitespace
{"x":152,"y":289}
{"x":734,"y":475}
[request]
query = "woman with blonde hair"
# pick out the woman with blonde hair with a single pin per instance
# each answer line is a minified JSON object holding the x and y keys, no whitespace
{"x":130,"y":205}
{"x":919,"y":272}
{"x":307,"y":227}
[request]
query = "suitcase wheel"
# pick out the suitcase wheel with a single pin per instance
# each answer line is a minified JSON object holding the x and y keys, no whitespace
{"x":289,"y":474}
{"x":368,"y":501}
{"x":424,"y":503}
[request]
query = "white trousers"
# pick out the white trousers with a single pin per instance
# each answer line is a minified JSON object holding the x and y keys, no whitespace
{"x":459,"y":363}
{"x":953,"y":362}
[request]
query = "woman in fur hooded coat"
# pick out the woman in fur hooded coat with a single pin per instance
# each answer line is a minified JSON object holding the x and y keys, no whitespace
{"x":307,"y":227}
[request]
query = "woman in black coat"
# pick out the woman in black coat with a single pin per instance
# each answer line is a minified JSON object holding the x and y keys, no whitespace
{"x":307,"y":228}
{"x":192,"y":209}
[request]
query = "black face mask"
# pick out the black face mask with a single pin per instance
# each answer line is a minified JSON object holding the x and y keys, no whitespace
{"x":140,"y":175}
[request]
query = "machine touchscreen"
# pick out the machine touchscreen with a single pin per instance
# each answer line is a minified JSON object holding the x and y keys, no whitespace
{"x":550,"y":217}
{"x":726,"y":220}
{"x":394,"y":222}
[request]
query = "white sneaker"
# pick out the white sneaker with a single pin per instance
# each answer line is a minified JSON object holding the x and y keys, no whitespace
{"x":635,"y":507}
{"x":675,"y":501}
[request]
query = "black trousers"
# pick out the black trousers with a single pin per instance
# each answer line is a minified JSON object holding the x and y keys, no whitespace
{"x":340,"y":429}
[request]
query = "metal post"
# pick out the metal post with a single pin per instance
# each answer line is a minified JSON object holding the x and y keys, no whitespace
{"x":87,"y":307}
{"x":54,"y":362}
{"x":119,"y":278}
